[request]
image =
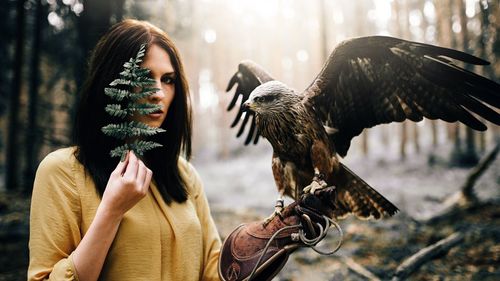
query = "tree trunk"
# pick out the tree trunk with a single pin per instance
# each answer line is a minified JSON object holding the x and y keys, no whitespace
{"x":404,"y":140}
{"x":454,"y":129}
{"x":469,"y":158}
{"x":11,"y":181}
{"x":402,"y":31}
{"x":485,"y":37}
{"x":416,"y":138}
{"x":434,"y":133}
{"x":92,"y":23}
{"x":457,"y":145}
{"x":443,"y":27}
{"x":324,"y":31}
{"x":32,"y":145}
{"x":485,"y":71}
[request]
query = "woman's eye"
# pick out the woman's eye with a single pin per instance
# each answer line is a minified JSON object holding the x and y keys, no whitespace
{"x":167,"y":80}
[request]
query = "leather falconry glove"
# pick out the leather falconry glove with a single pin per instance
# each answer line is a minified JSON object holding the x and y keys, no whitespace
{"x":255,"y":251}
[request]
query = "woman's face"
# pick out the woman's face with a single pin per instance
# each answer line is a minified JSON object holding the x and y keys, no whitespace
{"x":158,"y":61}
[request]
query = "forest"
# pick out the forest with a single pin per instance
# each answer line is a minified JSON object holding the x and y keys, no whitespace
{"x":444,"y":177}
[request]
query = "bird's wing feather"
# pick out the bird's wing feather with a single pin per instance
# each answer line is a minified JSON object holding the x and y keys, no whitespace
{"x":248,"y":77}
{"x":355,"y":196}
{"x":375,"y":80}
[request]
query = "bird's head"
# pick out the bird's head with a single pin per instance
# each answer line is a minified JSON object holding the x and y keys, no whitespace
{"x":270,"y":98}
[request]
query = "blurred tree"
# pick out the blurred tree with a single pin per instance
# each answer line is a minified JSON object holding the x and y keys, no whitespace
{"x":495,"y":36}
{"x":11,"y":180}
{"x":7,"y":34}
{"x":455,"y":127}
{"x":362,"y":30}
{"x":482,"y":40}
{"x":467,"y":157}
{"x":97,"y":16}
{"x":430,"y":25}
{"x":325,"y":49}
{"x":33,"y":133}
{"x":402,"y":31}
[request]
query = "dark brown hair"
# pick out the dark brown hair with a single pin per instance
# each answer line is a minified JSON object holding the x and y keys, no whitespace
{"x":121,"y":42}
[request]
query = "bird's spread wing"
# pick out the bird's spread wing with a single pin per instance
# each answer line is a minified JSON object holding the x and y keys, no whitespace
{"x":374,"y":80}
{"x":248,"y":77}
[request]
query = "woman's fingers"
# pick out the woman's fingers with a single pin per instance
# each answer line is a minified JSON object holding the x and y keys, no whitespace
{"x":137,"y":172}
{"x":141,"y":173}
{"x":122,"y":165}
{"x":144,"y":177}
{"x":147,"y":179}
{"x":132,"y":167}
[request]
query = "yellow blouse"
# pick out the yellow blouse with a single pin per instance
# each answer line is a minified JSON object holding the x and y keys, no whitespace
{"x":155,"y":241}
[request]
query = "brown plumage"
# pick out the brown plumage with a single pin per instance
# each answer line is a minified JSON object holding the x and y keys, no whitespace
{"x":365,"y":82}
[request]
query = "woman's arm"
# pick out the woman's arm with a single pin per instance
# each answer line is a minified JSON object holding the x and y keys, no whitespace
{"x":127,"y":185}
{"x":57,"y":249}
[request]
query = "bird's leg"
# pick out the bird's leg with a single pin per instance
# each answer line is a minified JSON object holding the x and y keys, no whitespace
{"x":280,"y":204}
{"x":317,"y":183}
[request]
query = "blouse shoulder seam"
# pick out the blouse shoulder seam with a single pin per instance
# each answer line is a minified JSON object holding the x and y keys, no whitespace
{"x":74,"y":169}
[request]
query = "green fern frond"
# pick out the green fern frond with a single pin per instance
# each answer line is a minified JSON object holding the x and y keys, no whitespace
{"x":140,"y":85}
{"x":140,"y":147}
{"x":117,"y":94}
{"x":143,"y":108}
{"x":146,"y":92}
{"x":141,"y":129}
{"x":116,"y":110}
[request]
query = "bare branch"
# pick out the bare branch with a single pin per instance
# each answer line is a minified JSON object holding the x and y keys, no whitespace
{"x":426,"y":254}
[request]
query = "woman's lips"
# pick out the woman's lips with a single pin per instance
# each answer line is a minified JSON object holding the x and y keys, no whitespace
{"x":156,"y":114}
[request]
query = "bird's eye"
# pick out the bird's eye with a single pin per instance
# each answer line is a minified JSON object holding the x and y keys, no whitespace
{"x":264,"y":99}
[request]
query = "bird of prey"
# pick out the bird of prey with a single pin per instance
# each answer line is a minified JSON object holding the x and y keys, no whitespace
{"x":365,"y":82}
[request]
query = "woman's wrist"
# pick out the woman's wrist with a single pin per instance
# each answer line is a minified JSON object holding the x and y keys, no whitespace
{"x":109,"y":214}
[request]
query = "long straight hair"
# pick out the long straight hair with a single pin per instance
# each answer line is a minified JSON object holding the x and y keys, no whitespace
{"x":121,"y":42}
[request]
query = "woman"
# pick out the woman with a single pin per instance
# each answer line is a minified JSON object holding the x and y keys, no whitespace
{"x":136,"y":220}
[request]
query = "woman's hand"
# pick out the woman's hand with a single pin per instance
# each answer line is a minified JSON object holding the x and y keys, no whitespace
{"x":127,"y":185}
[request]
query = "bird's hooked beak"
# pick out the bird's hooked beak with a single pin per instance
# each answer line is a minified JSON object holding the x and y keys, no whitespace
{"x":247,"y":106}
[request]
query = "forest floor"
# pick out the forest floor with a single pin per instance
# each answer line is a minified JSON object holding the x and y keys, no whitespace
{"x":416,"y":186}
{"x":241,"y":189}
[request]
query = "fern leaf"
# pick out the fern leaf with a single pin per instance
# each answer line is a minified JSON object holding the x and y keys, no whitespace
{"x":116,"y":94}
{"x":143,"y":108}
{"x":116,"y":110}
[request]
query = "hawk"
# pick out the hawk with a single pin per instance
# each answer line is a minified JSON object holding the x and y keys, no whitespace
{"x":365,"y":82}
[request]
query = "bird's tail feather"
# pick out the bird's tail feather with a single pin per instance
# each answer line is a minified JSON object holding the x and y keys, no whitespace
{"x":357,"y":197}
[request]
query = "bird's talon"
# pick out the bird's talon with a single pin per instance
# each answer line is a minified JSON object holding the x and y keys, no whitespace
{"x":280,"y":204}
{"x":272,"y":216}
{"x":314,"y":186}
{"x":306,"y":189}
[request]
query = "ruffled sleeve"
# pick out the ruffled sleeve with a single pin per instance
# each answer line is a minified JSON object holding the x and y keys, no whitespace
{"x":211,"y":238}
{"x":54,"y":219}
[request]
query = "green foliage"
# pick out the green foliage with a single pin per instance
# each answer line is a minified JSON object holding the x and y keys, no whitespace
{"x":125,"y":131}
{"x":132,"y":85}
{"x":139,"y":147}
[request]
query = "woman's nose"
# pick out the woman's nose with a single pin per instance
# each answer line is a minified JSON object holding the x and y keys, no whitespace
{"x":158,"y":95}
